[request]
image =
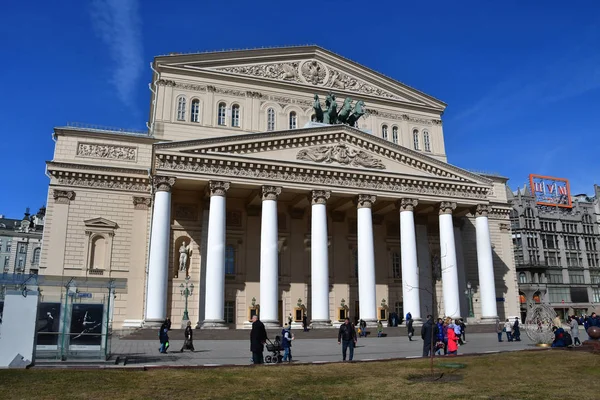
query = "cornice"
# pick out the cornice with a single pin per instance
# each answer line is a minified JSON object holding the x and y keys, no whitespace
{"x":246,"y":143}
{"x":100,"y":181}
{"x":86,"y":133}
{"x":54,"y":165}
{"x":305,"y":174}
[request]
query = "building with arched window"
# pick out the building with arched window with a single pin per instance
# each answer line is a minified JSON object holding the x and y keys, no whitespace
{"x":264,"y":214}
{"x":21,"y":242}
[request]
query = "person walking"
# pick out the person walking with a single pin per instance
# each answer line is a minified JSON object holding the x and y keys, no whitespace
{"x":516,"y":330}
{"x":188,"y":335}
{"x":429,"y":332}
{"x":458,"y":332}
{"x":452,"y":340}
{"x":363,"y":328}
{"x":286,"y":343}
{"x":574,"y":330}
{"x":305,"y":323}
{"x":410,"y":329}
{"x":163,"y":337}
{"x":379,"y":329}
{"x":463,"y":327}
{"x":258,"y":337}
{"x":499,"y":329}
{"x":347,"y":338}
{"x":508,"y":330}
{"x":408,"y":317}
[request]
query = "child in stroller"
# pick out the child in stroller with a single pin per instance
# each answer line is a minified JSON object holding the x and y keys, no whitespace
{"x":275,"y":349}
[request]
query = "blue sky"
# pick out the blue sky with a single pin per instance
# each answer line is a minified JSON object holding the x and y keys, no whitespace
{"x":522,"y":81}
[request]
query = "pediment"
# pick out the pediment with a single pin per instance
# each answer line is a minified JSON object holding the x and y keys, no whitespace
{"x":308,"y":66}
{"x":336,"y":148}
{"x":100,"y":222}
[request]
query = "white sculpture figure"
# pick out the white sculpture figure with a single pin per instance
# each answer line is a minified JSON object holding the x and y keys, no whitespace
{"x":183,"y":256}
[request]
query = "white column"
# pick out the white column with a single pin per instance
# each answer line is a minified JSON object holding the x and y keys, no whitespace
{"x":269,"y":252}
{"x":215,"y":258}
{"x":410,"y":267}
{"x":319,"y":260}
{"x":485,"y":264}
{"x":158,"y":263}
{"x":448,"y":261}
{"x":366,"y":260}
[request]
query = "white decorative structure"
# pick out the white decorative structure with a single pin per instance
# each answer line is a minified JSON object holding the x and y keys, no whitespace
{"x":485,"y":265}
{"x":366,"y":260}
{"x":269,"y":254}
{"x":410,"y":268}
{"x":319,"y":260}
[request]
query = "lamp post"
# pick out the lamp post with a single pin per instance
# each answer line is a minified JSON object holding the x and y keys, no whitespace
{"x":469,"y":294}
{"x":186,"y":291}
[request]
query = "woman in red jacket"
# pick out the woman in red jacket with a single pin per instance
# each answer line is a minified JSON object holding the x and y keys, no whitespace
{"x":452,"y":341}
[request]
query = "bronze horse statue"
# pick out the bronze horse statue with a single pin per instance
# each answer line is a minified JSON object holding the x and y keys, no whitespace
{"x":359,"y":111}
{"x":329,"y":115}
{"x":345,"y":111}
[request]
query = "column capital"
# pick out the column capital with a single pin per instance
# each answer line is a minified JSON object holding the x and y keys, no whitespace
{"x":163,"y":183}
{"x":270,"y":192}
{"x":63,"y":196}
{"x":407,"y":204}
{"x":446,"y":207}
{"x":218,"y":188}
{"x":319,"y":196}
{"x":365,"y":200}
{"x":141,"y":203}
{"x":482,"y":210}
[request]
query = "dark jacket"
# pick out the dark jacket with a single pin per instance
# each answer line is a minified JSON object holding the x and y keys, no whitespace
{"x":346,"y":332}
{"x":163,"y":337}
{"x":428,"y":332}
{"x":286,"y":343}
{"x":258,"y":335}
{"x":409,"y":326}
{"x":189,"y":333}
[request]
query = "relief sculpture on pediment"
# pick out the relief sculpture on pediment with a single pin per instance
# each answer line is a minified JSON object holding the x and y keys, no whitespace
{"x":341,"y":154}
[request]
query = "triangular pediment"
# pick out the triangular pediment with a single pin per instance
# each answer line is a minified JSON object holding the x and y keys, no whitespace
{"x":100,"y":222}
{"x":337,"y":148}
{"x":309,"y":66}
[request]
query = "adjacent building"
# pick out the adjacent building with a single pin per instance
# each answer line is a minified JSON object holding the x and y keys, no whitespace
{"x":238,"y":189}
{"x":557,"y":250}
{"x":21,"y":243}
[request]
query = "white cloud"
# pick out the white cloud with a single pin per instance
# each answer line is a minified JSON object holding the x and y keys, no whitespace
{"x":118,"y":24}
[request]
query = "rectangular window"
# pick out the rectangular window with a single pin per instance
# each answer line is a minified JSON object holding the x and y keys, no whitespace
{"x":8,"y":246}
{"x":229,"y":314}
{"x":230,"y":260}
{"x":576,"y":277}
{"x":554,"y":277}
{"x":6,"y":259}
{"x":396,"y":265}
{"x":595,"y":276}
{"x":22,"y":248}
{"x":559,"y":295}
{"x":596,"y":294}
{"x":579,"y":295}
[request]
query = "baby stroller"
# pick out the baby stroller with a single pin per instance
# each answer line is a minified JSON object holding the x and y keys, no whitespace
{"x":275,"y":349}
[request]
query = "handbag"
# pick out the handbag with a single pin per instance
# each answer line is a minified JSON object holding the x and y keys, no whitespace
{"x":503,"y":329}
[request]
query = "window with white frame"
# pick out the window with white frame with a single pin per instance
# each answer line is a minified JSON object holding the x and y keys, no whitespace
{"x":195,"y":110}
{"x":395,"y":134}
{"x":384,"y":132}
{"x":222,"y":114}
{"x":181,"y":105}
{"x":100,"y":233}
{"x":416,"y":139}
{"x":36,"y":256}
{"x":235,"y":116}
{"x":22,"y":248}
{"x":293,"y":120}
{"x":396,"y":265}
{"x":230,"y":260}
{"x":426,"y":141}
{"x":270,"y":119}
{"x":522,"y":277}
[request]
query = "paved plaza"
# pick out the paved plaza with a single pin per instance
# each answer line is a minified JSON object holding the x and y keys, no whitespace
{"x":237,"y":352}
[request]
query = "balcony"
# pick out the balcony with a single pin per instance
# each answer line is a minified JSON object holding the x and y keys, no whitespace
{"x":531,"y":264}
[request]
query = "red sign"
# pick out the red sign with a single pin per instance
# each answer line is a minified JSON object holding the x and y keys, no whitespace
{"x":550,"y":191}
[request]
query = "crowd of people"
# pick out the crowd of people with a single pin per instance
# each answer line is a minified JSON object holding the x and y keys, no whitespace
{"x":563,"y":338}
{"x":445,"y":335}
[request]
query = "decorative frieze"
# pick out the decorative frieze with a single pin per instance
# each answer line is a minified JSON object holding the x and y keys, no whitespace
{"x":107,"y":151}
{"x":141,"y":203}
{"x":365,"y":200}
{"x":341,"y":154}
{"x":407,"y":204}
{"x":63,"y":196}
{"x":270,"y":192}
{"x":319,"y":196}
{"x":163,"y":183}
{"x":218,"y":188}
{"x":313,"y":177}
{"x":106,"y":182}
{"x":446,"y":207}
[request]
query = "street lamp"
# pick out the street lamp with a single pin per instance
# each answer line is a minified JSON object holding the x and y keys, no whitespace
{"x":186,"y":291}
{"x":469,"y":294}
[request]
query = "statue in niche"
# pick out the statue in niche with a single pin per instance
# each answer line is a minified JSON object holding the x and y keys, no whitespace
{"x":184,"y":252}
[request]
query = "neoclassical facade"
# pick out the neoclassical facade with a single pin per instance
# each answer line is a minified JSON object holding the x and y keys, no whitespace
{"x":236,"y":190}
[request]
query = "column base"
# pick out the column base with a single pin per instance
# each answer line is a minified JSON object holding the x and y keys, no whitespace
{"x":371,"y":323}
{"x":133,"y":323}
{"x":297,"y":325}
{"x":485,"y":320}
{"x":271,"y":324}
{"x":320,"y":324}
{"x":184,"y":323}
{"x":214,"y":324}
{"x":153,"y":323}
{"x":416,"y":322}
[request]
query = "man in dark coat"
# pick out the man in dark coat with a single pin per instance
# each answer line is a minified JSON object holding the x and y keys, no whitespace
{"x":410,"y":329}
{"x":189,"y":338}
{"x":428,"y":334}
{"x":347,"y":338}
{"x":258,"y":337}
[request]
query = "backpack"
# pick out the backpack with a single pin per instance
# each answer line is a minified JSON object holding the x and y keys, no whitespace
{"x":568,"y":339}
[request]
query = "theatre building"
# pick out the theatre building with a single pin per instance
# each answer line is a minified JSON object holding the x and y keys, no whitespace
{"x":254,"y":187}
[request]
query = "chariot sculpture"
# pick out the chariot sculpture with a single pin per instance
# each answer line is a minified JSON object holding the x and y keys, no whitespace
{"x":329,"y":115}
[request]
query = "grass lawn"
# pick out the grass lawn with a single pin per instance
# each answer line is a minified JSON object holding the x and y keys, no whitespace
{"x":518,"y":375}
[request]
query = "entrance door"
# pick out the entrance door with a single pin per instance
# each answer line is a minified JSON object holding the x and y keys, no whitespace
{"x":280,"y":311}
